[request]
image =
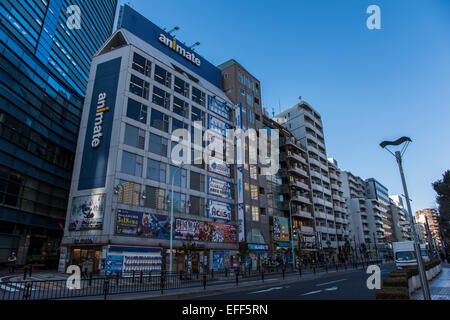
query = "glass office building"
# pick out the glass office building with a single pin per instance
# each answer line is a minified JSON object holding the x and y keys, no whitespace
{"x":45,"y":60}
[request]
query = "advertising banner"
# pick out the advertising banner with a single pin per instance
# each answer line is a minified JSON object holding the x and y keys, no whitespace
{"x":218,"y":107}
{"x":142,"y":224}
{"x":218,"y":260}
{"x":114,"y":264}
{"x":204,"y":231}
{"x":218,"y":125}
{"x":87,"y":212}
{"x":220,"y":168}
{"x":219,"y":210}
{"x":280,"y":229}
{"x":240,"y":185}
{"x":219,"y":188}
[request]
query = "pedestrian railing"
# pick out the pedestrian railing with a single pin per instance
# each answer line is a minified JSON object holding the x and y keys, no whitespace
{"x":161,"y":281}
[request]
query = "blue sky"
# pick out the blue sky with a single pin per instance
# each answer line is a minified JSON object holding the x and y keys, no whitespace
{"x":368,"y":85}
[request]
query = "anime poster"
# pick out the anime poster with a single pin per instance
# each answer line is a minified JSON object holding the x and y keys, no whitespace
{"x":204,"y":231}
{"x":87,"y":212}
{"x":280,"y":229}
{"x":218,"y":260}
{"x":142,"y":224}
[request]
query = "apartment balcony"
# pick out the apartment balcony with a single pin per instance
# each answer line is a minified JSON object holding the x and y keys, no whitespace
{"x":316,"y":186}
{"x":316,"y":174}
{"x":302,"y":214}
{"x":334,"y":186}
{"x":314,"y":162}
{"x":298,"y":170}
{"x":365,"y":228}
{"x":380,"y":229}
{"x":326,"y":191}
{"x":297,"y":157}
{"x":377,"y":214}
{"x":315,"y":150}
{"x":300,"y":198}
{"x":325,"y":230}
{"x":339,"y":220}
{"x":328,"y":204}
{"x":306,"y":230}
{"x":319,"y":201}
{"x":330,"y":217}
{"x":320,"y":215}
{"x":334,"y":244}
{"x":292,"y":142}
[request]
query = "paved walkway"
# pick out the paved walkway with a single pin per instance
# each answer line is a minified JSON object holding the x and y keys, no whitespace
{"x":439,"y":287}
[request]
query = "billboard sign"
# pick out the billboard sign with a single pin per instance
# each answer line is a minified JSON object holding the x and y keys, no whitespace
{"x":204,"y":231}
{"x":87,"y":212}
{"x":218,"y":125}
{"x":219,"y":210}
{"x":220,"y":168}
{"x":142,"y":224}
{"x":219,"y":188}
{"x":219,"y":108}
{"x":280,"y":229}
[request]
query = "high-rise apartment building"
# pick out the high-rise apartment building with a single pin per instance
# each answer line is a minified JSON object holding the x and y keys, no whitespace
{"x":306,"y":125}
{"x":365,"y":215}
{"x":428,"y":218}
{"x":400,"y":219}
{"x":145,"y":85}
{"x":45,"y":57}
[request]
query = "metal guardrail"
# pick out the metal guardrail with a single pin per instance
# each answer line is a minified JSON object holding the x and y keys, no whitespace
{"x":159,"y":282}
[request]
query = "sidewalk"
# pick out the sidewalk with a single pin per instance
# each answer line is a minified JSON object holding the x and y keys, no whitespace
{"x":36,"y":275}
{"x":439,"y":287}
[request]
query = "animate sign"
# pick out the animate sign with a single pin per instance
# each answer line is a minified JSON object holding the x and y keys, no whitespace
{"x":178,"y":49}
{"x":99,"y":114}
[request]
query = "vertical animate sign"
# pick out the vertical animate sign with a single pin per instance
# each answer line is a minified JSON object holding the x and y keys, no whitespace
{"x":240,"y":184}
{"x":94,"y":163}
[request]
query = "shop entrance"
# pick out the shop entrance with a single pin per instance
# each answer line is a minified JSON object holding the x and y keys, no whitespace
{"x":78,"y":255}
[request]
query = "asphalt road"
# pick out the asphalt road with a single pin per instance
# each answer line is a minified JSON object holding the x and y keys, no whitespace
{"x":349,"y":286}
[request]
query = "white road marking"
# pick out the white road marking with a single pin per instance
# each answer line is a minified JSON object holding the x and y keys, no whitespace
{"x":7,"y":288}
{"x":323,"y":284}
{"x":331,"y":289}
{"x":312,"y":292}
{"x":266,"y":290}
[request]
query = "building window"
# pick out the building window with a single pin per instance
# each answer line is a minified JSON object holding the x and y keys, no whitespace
{"x":254,"y":192}
{"x":249,"y":99}
{"x":156,"y":170}
{"x":137,"y":111}
{"x":179,"y":176}
{"x":155,"y":198}
{"x":134,"y":137}
{"x":198,"y":96}
{"x":141,"y":64}
{"x":254,"y":172}
{"x":139,"y":87}
{"x":177,"y":124}
{"x":181,"y":87}
{"x":157,"y":145}
{"x":159,"y":120}
{"x":130,"y":193}
{"x":250,"y":116}
{"x":163,"y":76}
{"x":197,"y":181}
{"x":197,"y":115}
{"x":255,"y":213}
{"x":197,"y":206}
{"x":132,"y":164}
{"x":161,"y":97}
{"x":180,"y":107}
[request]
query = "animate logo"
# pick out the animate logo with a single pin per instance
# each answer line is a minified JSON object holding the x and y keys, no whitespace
{"x":181,"y":51}
{"x":99,"y":114}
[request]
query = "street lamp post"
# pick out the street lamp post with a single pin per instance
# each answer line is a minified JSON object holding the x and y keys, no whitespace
{"x":420,"y":264}
{"x":292,"y":235}
{"x":171,"y":218}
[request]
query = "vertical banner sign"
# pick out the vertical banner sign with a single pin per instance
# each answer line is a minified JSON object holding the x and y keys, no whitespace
{"x":219,"y":188}
{"x":280,"y":229}
{"x":240,"y":186}
{"x":218,"y":107}
{"x":99,"y":126}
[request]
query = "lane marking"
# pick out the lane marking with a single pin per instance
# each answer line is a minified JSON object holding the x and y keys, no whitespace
{"x":331,"y":289}
{"x":323,"y":284}
{"x":266,"y":290}
{"x":312,"y":292}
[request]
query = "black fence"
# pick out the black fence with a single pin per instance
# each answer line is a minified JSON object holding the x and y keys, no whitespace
{"x":140,"y":282}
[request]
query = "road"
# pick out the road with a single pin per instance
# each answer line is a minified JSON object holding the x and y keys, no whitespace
{"x":349,"y":286}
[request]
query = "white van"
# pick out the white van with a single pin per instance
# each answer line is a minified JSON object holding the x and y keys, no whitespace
{"x":405,"y":255}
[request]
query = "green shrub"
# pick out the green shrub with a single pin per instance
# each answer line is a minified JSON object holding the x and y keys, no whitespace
{"x":395,"y":282}
{"x":392,"y":293}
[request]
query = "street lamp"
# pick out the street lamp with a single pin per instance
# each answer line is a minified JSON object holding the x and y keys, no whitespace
{"x":171,"y":217}
{"x":398,"y":156}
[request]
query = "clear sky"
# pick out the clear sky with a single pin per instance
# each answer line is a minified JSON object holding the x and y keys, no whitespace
{"x":368,"y":85}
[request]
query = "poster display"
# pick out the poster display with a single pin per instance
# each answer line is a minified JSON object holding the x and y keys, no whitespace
{"x":219,"y":188}
{"x":87,"y":212}
{"x":114,"y":264}
{"x":218,"y":260}
{"x":219,"y":168}
{"x":280,"y":229}
{"x":218,"y":107}
{"x":142,"y":224}
{"x":204,"y":231}
{"x":218,"y":125}
{"x":219,"y":210}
